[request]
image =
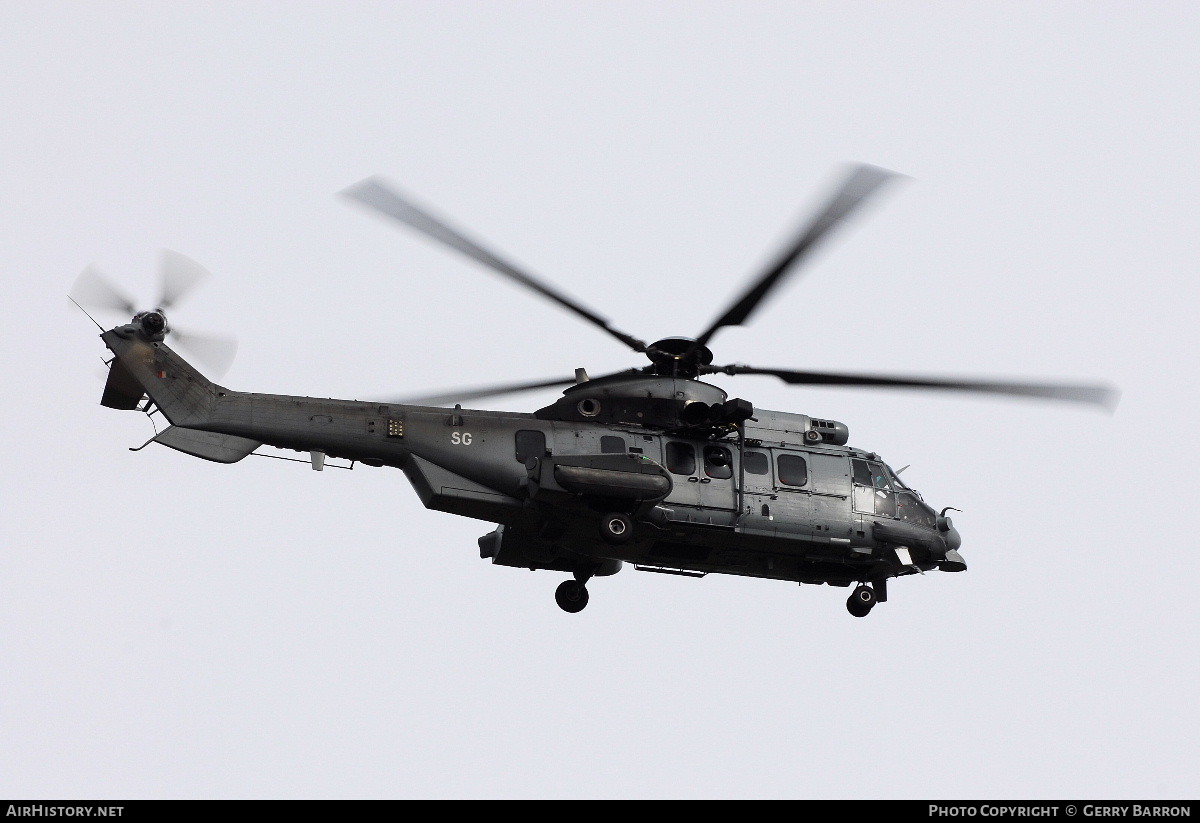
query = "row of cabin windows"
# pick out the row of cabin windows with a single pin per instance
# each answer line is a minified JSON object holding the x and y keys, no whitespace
{"x":888,"y":496}
{"x":718,"y":463}
{"x":792,"y":469}
{"x":681,"y":458}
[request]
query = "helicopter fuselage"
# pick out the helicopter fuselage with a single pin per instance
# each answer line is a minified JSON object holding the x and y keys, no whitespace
{"x":650,"y":466}
{"x":726,"y":489}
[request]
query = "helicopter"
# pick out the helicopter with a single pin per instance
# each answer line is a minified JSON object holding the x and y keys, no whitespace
{"x":650,"y":467}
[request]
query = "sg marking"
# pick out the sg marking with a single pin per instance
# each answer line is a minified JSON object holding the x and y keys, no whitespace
{"x":460,"y":438}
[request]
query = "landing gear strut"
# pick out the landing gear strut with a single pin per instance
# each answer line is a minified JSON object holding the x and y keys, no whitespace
{"x":571,"y":596}
{"x":861,"y":601}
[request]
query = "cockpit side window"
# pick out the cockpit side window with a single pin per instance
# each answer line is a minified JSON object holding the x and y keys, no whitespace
{"x":874,"y":492}
{"x":862,"y":472}
{"x":879,"y":477}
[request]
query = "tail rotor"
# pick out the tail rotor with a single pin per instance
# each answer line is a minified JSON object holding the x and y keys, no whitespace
{"x":179,"y":275}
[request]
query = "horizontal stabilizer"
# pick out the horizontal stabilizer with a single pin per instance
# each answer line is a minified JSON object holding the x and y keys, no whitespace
{"x":121,"y":390}
{"x":220,"y":448}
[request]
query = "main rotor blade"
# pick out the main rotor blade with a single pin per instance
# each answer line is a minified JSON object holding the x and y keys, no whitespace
{"x":214,"y":352}
{"x":1093,"y":394}
{"x":858,"y":186}
{"x":179,"y":274}
{"x":94,"y":290}
{"x":463,"y":395}
{"x":459,"y":396}
{"x":378,"y":195}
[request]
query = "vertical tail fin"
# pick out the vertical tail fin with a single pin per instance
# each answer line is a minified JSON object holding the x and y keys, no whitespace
{"x":183,"y":393}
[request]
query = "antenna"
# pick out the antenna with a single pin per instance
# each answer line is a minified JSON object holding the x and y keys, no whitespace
{"x":82,"y":309}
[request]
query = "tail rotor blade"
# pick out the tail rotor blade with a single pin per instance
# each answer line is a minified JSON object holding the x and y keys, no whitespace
{"x":95,"y":291}
{"x":179,"y":274}
{"x":214,"y":352}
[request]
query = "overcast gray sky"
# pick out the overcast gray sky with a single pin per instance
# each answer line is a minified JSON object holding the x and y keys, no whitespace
{"x":175,"y":628}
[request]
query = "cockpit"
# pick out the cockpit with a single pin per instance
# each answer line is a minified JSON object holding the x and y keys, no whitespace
{"x":879,"y":491}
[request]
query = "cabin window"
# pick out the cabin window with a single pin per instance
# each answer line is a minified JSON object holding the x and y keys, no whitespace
{"x":612,"y":445}
{"x":718,"y":462}
{"x":530,"y":444}
{"x":755,"y":462}
{"x":793,"y":470}
{"x":681,"y":458}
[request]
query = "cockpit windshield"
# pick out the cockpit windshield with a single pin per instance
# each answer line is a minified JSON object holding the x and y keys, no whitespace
{"x":895,"y":478}
{"x":912,"y":510}
{"x":878,"y":491}
{"x":910,"y":506}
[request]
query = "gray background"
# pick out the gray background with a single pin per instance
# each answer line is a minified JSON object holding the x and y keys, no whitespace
{"x":175,"y":628}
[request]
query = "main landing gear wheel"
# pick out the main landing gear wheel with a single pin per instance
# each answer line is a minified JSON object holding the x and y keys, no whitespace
{"x":861,"y":601}
{"x":571,"y":596}
{"x":616,"y":528}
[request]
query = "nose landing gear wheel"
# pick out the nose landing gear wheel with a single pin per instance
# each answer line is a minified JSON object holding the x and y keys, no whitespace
{"x":861,"y":601}
{"x":616,"y":528}
{"x":571,"y":596}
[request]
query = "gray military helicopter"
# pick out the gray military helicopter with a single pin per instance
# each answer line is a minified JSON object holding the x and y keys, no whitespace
{"x":652,"y":466}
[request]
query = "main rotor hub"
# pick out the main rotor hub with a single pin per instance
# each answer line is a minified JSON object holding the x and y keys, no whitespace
{"x":679,"y":356}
